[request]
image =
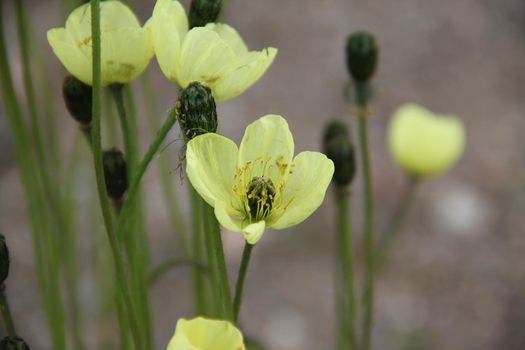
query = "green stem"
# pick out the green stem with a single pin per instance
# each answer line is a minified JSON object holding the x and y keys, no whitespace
{"x":395,"y":222}
{"x":368,"y":297}
{"x":124,"y":217}
{"x":219,"y":271}
{"x":135,"y":242}
{"x":166,"y":266}
{"x":347,"y":300}
{"x":35,"y":193}
{"x":6,"y":313}
{"x":172,"y":205}
{"x":239,"y":286}
{"x":198,"y":279}
{"x":122,"y":282}
{"x":130,"y":145}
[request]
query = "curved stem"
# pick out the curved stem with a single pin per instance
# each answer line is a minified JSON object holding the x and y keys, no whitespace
{"x":122,"y":282}
{"x":368,"y":297}
{"x":172,"y":206}
{"x":346,"y":296}
{"x":243,"y":268}
{"x":136,"y":242}
{"x":124,"y":216}
{"x":395,"y":222}
{"x":166,"y":266}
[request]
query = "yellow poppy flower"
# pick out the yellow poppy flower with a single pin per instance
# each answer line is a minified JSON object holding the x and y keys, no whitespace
{"x":425,"y":144}
{"x":126,"y":47}
{"x":204,"y":334}
{"x":260,"y":184}
{"x":214,"y":55}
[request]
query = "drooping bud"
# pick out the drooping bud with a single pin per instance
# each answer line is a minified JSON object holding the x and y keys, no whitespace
{"x":196,"y":111}
{"x":115,"y":173}
{"x":4,"y":260}
{"x":261,"y":193}
{"x":13,"y":343}
{"x":78,"y":98}
{"x":339,"y":148}
{"x":203,"y":12}
{"x":361,"y":56}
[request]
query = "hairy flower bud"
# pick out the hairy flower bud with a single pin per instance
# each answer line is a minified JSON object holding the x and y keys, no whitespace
{"x":77,"y":97}
{"x":115,"y":173}
{"x":4,"y":260}
{"x":13,"y":343}
{"x":203,"y":12}
{"x":361,"y":56}
{"x":338,"y":147}
{"x":196,"y":111}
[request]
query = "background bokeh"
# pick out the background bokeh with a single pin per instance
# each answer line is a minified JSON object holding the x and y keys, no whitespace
{"x":455,"y":277}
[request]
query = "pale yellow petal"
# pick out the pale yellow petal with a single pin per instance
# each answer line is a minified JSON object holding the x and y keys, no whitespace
{"x":205,"y":334}
{"x":230,"y":36}
{"x":204,"y":57}
{"x":69,"y":55}
{"x":126,"y":53}
{"x":268,"y":146}
{"x":172,"y":11}
{"x":168,"y":25}
{"x":228,"y":217}
{"x":210,"y":166}
{"x":245,"y":72}
{"x":305,"y":189}
{"x":113,"y":15}
{"x":425,"y":144}
{"x":253,"y":232}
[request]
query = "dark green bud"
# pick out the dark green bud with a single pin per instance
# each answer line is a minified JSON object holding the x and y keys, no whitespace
{"x":78,"y":97}
{"x":203,"y":12}
{"x":361,"y":56}
{"x":13,"y":343}
{"x":261,"y":193}
{"x":115,"y":173}
{"x":338,"y":147}
{"x":4,"y":260}
{"x":196,"y":111}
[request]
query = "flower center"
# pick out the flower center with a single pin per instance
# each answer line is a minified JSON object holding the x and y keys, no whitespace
{"x":260,"y":194}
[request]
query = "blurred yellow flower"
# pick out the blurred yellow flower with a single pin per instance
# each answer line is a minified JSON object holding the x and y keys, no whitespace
{"x":126,"y":47}
{"x":204,"y":334}
{"x":214,"y":55}
{"x":425,"y":144}
{"x":260,"y":184}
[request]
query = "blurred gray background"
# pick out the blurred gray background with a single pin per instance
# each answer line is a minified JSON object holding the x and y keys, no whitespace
{"x":455,"y":278}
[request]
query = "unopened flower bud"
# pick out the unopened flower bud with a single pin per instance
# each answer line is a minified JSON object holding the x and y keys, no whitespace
{"x":4,"y":260}
{"x":338,"y":147}
{"x":115,"y":173}
{"x":196,"y":111}
{"x":13,"y":343}
{"x":361,"y":56}
{"x":203,"y":12}
{"x":78,"y":97}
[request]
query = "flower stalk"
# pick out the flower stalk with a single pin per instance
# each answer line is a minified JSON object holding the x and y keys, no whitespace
{"x":218,"y":267}
{"x":396,"y":221}
{"x":122,"y":281}
{"x":346,"y":300}
{"x":368,"y":293}
{"x":243,"y":268}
